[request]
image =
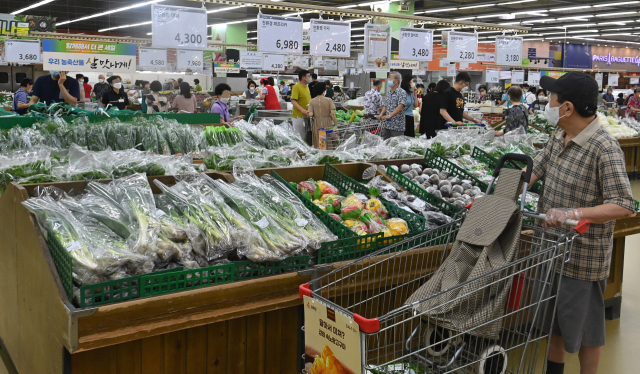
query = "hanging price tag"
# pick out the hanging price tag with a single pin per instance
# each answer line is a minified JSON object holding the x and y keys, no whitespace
{"x":178,"y":27}
{"x":508,"y":50}
{"x":493,"y":76}
{"x":250,"y":60}
{"x":534,"y":78}
{"x":599,"y":79}
{"x":330,"y":64}
{"x":190,"y":60}
{"x":330,"y":38}
{"x":451,"y":70}
{"x":613,"y":80}
{"x":517,"y":77}
{"x":279,"y":34}
{"x":273,"y":62}
{"x":462,"y":47}
{"x":152,"y":58}
{"x":22,"y":51}
{"x":416,"y":44}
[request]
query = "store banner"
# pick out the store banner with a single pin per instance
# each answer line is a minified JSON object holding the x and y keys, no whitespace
{"x":534,"y":78}
{"x":443,"y":62}
{"x":599,"y":77}
{"x":273,"y":62}
{"x":493,"y":76}
{"x":23,"y":24}
{"x":226,"y":67}
{"x":517,"y":77}
{"x":397,"y":63}
{"x":331,"y":339}
{"x":613,"y":80}
{"x":250,"y":60}
{"x":486,"y":57}
{"x":190,"y":60}
{"x":350,"y":64}
{"x":377,"y":47}
{"x":69,"y":55}
{"x":300,"y":61}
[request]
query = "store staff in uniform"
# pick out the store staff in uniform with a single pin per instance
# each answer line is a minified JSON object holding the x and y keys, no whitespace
{"x":101,"y":87}
{"x":452,"y":107}
{"x":251,"y":93}
{"x":20,"y":102}
{"x":223,"y":91}
{"x":269,"y":95}
{"x":583,"y":170}
{"x":55,"y":88}
{"x":300,"y":98}
{"x":394,"y":107}
{"x":116,"y":95}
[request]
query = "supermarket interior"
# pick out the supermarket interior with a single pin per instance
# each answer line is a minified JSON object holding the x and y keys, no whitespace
{"x":319,"y":186}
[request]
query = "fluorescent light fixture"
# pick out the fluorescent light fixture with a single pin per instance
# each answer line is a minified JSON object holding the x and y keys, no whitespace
{"x":539,"y":20}
{"x":570,"y":8}
{"x":487,"y":32}
{"x":32,"y":6}
{"x":358,"y":20}
{"x":149,"y":33}
{"x":357,"y":37}
{"x":551,"y":33}
{"x":614,"y":14}
{"x":583,"y":25}
{"x":614,"y":4}
{"x":577,"y":18}
{"x":235,"y":22}
{"x":579,"y":31}
{"x":531,"y":12}
{"x":624,"y":28}
{"x":463,"y":19}
{"x":137,"y":5}
{"x":347,"y":6}
{"x":256,"y":38}
{"x":509,"y":23}
{"x":516,"y":2}
{"x":614,"y":23}
{"x":357,"y":29}
{"x":373,"y":3}
{"x":440,"y":10}
{"x":618,"y":33}
{"x":225,"y":9}
{"x":122,"y":27}
{"x":533,"y":39}
{"x":477,"y":6}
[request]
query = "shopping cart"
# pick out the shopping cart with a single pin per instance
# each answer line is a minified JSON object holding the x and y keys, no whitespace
{"x":338,"y":134}
{"x":401,"y":334}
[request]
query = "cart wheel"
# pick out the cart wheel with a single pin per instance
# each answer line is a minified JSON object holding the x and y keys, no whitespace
{"x":438,"y":338}
{"x":493,"y":360}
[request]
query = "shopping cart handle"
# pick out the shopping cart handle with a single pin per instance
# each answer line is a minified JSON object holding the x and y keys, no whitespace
{"x":579,"y":226}
{"x":367,"y":325}
{"x":305,"y":290}
{"x":515,"y":157}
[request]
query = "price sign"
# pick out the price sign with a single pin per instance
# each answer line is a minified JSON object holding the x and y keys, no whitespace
{"x":462,"y":47}
{"x":273,"y":62}
{"x":508,"y":50}
{"x":416,"y":44}
{"x":23,"y":51}
{"x":330,"y":64}
{"x":190,"y":60}
{"x":451,"y":70}
{"x":443,"y":62}
{"x":153,"y":58}
{"x":534,"y":78}
{"x":330,"y":38}
{"x":178,"y":27}
{"x":279,"y":34}
{"x":599,"y":79}
{"x":493,"y":76}
{"x":613,"y":80}
{"x":634,"y":80}
{"x":250,"y":60}
{"x":350,"y":64}
{"x":517,"y":77}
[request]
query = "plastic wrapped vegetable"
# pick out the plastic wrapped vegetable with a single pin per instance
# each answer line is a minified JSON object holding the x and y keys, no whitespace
{"x":375,"y":205}
{"x":357,"y":226}
{"x":397,"y":226}
{"x":327,"y":188}
{"x":351,"y":207}
{"x":372,"y":220}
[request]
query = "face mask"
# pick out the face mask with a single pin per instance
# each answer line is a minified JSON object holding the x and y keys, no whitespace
{"x":390,"y":83}
{"x":224,"y":100}
{"x":542,"y":98}
{"x":101,"y":80}
{"x":55,"y":73}
{"x":252,"y":89}
{"x":413,"y":85}
{"x":553,"y":114}
{"x":117,"y":86}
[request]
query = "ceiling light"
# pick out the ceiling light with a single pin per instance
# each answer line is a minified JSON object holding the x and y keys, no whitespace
{"x":463,"y":19}
{"x":570,"y":8}
{"x":613,"y":4}
{"x":252,"y":38}
{"x":614,"y":14}
{"x":617,"y":33}
{"x":372,"y":3}
{"x":32,"y":6}
{"x":551,"y":33}
{"x":358,"y":20}
{"x":613,"y":23}
{"x":347,"y":6}
{"x":582,"y":25}
{"x":577,"y":18}
{"x":533,"y":12}
{"x":517,"y":2}
{"x":579,"y":31}
{"x":137,"y":5}
{"x":491,"y":16}
{"x":624,"y":28}
{"x":440,"y":10}
{"x":149,"y":33}
{"x":477,"y":6}
{"x":131,"y":25}
{"x":539,"y":20}
{"x":510,"y":23}
{"x":225,"y":9}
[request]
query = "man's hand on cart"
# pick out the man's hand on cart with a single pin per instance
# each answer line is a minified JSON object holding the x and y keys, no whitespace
{"x":556,"y":217}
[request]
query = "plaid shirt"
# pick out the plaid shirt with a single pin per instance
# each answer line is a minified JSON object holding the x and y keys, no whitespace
{"x":589,"y":172}
{"x":391,"y":102}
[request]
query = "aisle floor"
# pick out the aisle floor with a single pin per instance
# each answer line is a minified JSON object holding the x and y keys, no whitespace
{"x":623,"y":334}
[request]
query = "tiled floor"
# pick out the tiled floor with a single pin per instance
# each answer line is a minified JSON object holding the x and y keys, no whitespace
{"x":620,"y":353}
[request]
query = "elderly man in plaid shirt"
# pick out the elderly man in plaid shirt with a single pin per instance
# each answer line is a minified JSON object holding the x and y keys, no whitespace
{"x":584,"y":176}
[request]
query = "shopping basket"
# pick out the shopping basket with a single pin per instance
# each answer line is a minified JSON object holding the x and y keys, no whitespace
{"x":475,"y":323}
{"x":339,"y":134}
{"x":467,"y":129}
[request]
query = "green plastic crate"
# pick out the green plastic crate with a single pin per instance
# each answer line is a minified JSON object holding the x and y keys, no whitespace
{"x":158,"y":284}
{"x":482,"y":156}
{"x":434,"y":160}
{"x":249,"y":270}
{"x":63,"y":262}
{"x":444,"y":206}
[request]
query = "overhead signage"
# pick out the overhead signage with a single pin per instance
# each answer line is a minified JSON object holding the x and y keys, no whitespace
{"x":443,"y":62}
{"x":634,"y":80}
{"x":462,"y":47}
{"x":493,"y":76}
{"x":330,"y":38}
{"x":23,"y":24}
{"x":152,"y":58}
{"x":190,"y":60}
{"x":613,"y":80}
{"x":226,"y":67}
{"x":534,"y":78}
{"x":451,"y":69}
{"x":22,"y":51}
{"x":79,"y":55}
{"x":273,"y":62}
{"x":350,"y":64}
{"x":377,"y":47}
{"x":330,"y":64}
{"x":486,"y":57}
{"x":279,"y":34}
{"x":250,"y":60}
{"x":301,"y":61}
{"x":509,"y":50}
{"x":178,"y":27}
{"x":404,"y":64}
{"x":416,"y":44}
{"x":517,"y":77}
{"x":599,"y":77}
{"x":618,"y":59}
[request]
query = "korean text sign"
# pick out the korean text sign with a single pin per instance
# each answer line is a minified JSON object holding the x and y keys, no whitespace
{"x":68,"y":55}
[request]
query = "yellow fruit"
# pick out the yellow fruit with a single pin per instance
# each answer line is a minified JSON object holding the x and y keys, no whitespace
{"x":373,"y":205}
{"x":397,"y":226}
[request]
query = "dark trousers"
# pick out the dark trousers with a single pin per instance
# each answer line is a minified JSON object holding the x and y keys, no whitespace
{"x":410,"y":128}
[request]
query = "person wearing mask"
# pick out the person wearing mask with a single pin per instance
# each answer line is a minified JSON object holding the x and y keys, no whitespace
{"x":482,"y":92}
{"x":373,"y":101}
{"x":518,"y":115}
{"x":311,"y":84}
{"x":322,"y":109}
{"x":329,"y":92}
{"x":80,"y":79}
{"x":393,"y":110}
{"x":20,"y":103}
{"x":608,"y":98}
{"x":430,"y":117}
{"x":583,"y":169}
{"x":300,"y":97}
{"x":185,"y":102}
{"x":221,"y":106}
{"x":412,"y":102}
{"x":505,"y":98}
{"x":284,"y":89}
{"x":101,"y":88}
{"x":540,"y":103}
{"x":338,"y":95}
{"x":251,"y":93}
{"x":54,"y":88}
{"x":269,"y":96}
{"x":431,"y":87}
{"x":198,"y":86}
{"x":452,"y":107}
{"x":633,"y":104}
{"x":115,"y":96}
{"x":156,"y":103}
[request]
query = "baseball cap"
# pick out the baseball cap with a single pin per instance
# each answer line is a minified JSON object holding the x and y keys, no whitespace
{"x":576,"y":87}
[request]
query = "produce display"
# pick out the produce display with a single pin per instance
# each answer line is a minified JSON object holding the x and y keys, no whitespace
{"x":619,"y":127}
{"x":43,"y":110}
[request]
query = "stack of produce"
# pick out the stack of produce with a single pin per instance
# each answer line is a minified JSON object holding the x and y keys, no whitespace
{"x":42,"y":110}
{"x":354,"y":116}
{"x":222,"y":137}
{"x":619,"y":129}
